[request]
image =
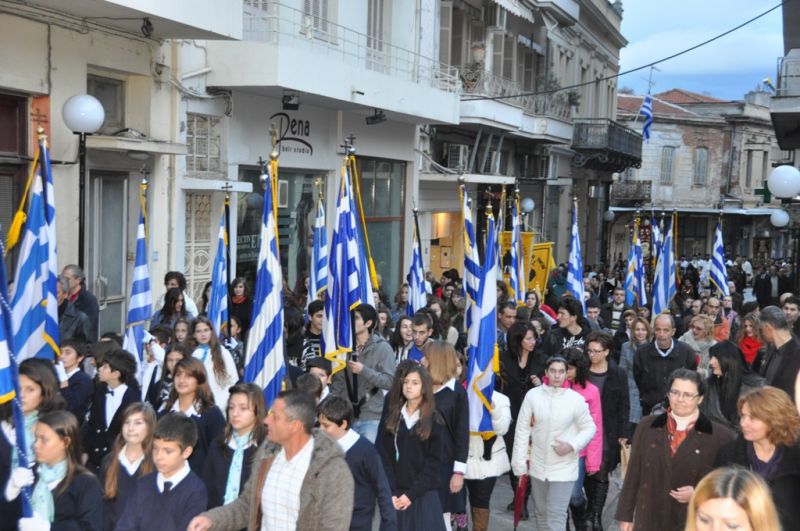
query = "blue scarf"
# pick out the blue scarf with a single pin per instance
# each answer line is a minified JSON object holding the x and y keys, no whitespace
{"x":235,"y":470}
{"x":30,"y":421}
{"x":205,"y":349}
{"x":42,"y":498}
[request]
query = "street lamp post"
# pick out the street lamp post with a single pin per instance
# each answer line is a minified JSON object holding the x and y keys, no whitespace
{"x":83,"y":114}
{"x":784,"y":183}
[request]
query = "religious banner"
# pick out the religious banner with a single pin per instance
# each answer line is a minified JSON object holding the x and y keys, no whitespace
{"x":537,"y":256}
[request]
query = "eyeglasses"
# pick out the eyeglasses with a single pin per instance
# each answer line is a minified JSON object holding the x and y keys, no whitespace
{"x":677,"y":395}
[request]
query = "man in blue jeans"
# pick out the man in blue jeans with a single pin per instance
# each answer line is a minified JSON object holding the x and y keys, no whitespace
{"x":368,"y":374}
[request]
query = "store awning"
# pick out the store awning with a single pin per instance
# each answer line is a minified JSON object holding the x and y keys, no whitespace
{"x":759,"y":211}
{"x":515,"y":7}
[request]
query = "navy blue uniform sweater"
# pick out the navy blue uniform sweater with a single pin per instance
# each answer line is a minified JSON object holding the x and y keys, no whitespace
{"x":217,"y":466}
{"x":210,"y":425}
{"x":80,"y":506}
{"x":126,"y":483}
{"x":370,"y":483}
{"x":78,"y":395}
{"x":150,"y":510}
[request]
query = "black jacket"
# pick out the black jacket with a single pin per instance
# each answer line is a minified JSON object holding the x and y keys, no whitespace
{"x":607,"y":312}
{"x":615,"y":403}
{"x":73,"y":323}
{"x":97,"y":437}
{"x":786,"y":373}
{"x":87,"y":303}
{"x":651,"y":371}
{"x":762,"y":288}
{"x":80,"y":506}
{"x":559,"y":338}
{"x":217,"y":466}
{"x":785,"y":484}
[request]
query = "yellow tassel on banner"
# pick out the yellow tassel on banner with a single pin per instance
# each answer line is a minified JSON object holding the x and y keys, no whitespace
{"x":15,"y":229}
{"x":496,"y":359}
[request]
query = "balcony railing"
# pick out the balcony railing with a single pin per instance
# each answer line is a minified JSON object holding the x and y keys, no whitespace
{"x":788,"y":77}
{"x":276,"y":23}
{"x":631,"y":191}
{"x":478,"y":81}
{"x":605,"y":134}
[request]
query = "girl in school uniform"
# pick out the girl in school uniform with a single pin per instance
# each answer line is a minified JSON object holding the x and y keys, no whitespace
{"x":157,"y":395}
{"x":65,"y":495}
{"x":130,"y":460}
{"x":227,"y":465}
{"x":192,"y":397}
{"x":180,"y":332}
{"x":216,"y":359}
{"x":38,"y":394}
{"x":410,"y":443}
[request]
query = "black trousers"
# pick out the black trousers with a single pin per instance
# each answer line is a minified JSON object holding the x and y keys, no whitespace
{"x":480,"y":492}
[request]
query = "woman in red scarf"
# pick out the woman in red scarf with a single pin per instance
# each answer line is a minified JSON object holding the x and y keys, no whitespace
{"x":748,"y":338}
{"x":241,"y":303}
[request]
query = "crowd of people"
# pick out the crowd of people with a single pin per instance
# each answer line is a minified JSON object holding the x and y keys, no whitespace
{"x":698,"y":405}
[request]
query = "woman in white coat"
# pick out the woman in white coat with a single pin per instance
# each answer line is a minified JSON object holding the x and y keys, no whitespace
{"x":486,"y":461}
{"x":217,"y":361}
{"x":553,"y":426}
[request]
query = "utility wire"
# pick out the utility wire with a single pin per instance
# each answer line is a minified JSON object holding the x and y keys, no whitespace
{"x":632,"y":70}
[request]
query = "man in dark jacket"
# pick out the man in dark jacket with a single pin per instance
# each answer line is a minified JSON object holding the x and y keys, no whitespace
{"x":72,"y":323}
{"x":655,"y":361}
{"x":611,"y":313}
{"x":767,"y":287}
{"x":571,"y":332}
{"x":781,"y":367}
{"x":83,"y":298}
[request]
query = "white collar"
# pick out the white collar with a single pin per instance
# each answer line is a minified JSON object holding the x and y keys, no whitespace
{"x":410,"y":419}
{"x":348,"y":440}
{"x":118,"y":391}
{"x":325,"y":392}
{"x":232,"y":442}
{"x":73,"y":371}
{"x":130,"y":466}
{"x":192,"y":411}
{"x":303,"y":455}
{"x":176,"y":478}
{"x":449,"y":384}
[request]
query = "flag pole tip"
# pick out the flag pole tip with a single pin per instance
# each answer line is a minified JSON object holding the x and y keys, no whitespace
{"x":41,"y":133}
{"x":461,"y":179}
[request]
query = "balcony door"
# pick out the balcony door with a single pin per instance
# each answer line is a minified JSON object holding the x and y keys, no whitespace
{"x":377,"y":56}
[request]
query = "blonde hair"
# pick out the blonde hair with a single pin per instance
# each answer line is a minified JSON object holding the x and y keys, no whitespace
{"x":442,"y":361}
{"x":646,"y":324}
{"x":706,"y":322}
{"x":746,"y":488}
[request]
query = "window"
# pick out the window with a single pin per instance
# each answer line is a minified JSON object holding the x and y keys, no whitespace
{"x":13,"y":171}
{"x":667,"y":163}
{"x":319,"y":21}
{"x":764,"y":165}
{"x":700,"y":166}
{"x":376,"y":53}
{"x":748,"y":170}
{"x":203,"y":151}
{"x":111,"y":94}
{"x":445,"y":31}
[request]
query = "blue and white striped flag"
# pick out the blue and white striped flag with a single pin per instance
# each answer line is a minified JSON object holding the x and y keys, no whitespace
{"x":343,"y":293}
{"x":417,"y":287}
{"x":656,"y":237}
{"x":664,"y":287}
{"x":141,"y":301}
{"x":517,"y":271}
{"x":29,"y":312}
{"x":218,"y":303}
{"x":365,"y":282}
{"x":719,"y":275}
{"x":472,"y":260}
{"x":647,"y":111}
{"x":264,"y":359}
{"x":635,"y":293}
{"x":483,"y":341}
{"x":52,"y":335}
{"x":318,"y":277}
{"x":575,"y":264}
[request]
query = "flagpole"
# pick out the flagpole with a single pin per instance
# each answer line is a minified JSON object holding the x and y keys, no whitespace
{"x":227,"y":187}
{"x":419,"y":241}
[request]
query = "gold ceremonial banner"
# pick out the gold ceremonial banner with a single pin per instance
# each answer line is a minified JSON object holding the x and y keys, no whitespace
{"x":537,"y":259}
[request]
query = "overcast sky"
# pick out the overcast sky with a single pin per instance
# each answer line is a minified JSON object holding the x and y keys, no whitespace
{"x":727,"y":68}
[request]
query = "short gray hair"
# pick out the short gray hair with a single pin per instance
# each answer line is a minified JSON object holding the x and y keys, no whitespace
{"x":773,"y":316}
{"x":64,"y":283}
{"x":76,"y":271}
{"x":301,"y":406}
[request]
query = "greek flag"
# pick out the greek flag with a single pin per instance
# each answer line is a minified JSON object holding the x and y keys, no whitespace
{"x":483,"y":341}
{"x":29,"y":302}
{"x":719,"y":275}
{"x":362,"y":262}
{"x":664,"y":288}
{"x":472,"y":260}
{"x":318,"y":279}
{"x":635,"y":294}
{"x":344,"y":280}
{"x":264,"y":359}
{"x":647,"y":111}
{"x":52,"y":335}
{"x":141,"y":301}
{"x":575,"y":264}
{"x":218,"y":304}
{"x":517,"y":271}
{"x":417,"y":290}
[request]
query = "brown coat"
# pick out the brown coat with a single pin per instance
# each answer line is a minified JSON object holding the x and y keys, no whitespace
{"x":652,"y":473}
{"x":326,"y":496}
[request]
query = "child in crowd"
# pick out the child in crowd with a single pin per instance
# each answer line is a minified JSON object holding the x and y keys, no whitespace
{"x":227,"y":465}
{"x":180,"y":332}
{"x":157,"y":395}
{"x":235,"y":344}
{"x":311,"y":385}
{"x":371,"y":484}
{"x":169,"y":498}
{"x":216,"y":359}
{"x":130,"y":460}
{"x":116,"y":390}
{"x":76,"y":385}
{"x":65,"y":495}
{"x":191,"y":396}
{"x":321,"y":368}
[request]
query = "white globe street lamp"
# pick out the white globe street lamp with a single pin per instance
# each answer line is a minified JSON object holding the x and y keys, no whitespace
{"x":84,"y":115}
{"x":779,"y":218}
{"x":784,"y":182}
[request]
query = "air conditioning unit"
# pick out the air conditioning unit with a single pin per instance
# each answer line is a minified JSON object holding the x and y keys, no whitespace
{"x":457,"y":156}
{"x":496,"y":18}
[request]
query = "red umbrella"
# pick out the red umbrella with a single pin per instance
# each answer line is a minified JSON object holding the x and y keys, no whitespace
{"x":519,"y":498}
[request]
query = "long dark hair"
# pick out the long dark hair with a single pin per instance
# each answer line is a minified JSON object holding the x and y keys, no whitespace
{"x":168,"y":311}
{"x":110,"y":483}
{"x":255,"y":400}
{"x":214,"y":347}
{"x":42,"y":374}
{"x":723,"y":391}
{"x":427,"y":407}
{"x":66,"y":427}
{"x":202,"y":396}
{"x":397,"y":338}
{"x":243,"y":281}
{"x":516,"y":333}
{"x":577,"y":358}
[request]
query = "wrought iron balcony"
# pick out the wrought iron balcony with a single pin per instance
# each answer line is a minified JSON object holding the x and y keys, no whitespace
{"x":631,"y":192}
{"x":603,"y":144}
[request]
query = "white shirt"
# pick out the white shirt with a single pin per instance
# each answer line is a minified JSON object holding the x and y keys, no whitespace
{"x":113,"y":401}
{"x":176,"y":408}
{"x":410,"y":419}
{"x":325,"y":392}
{"x":72,"y":372}
{"x":280,"y":497}
{"x":176,"y":478}
{"x":348,"y":440}
{"x":130,"y":466}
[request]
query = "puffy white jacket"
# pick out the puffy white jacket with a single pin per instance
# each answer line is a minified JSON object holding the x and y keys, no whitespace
{"x":558,"y":414}
{"x":219,"y":388}
{"x":497,"y":465}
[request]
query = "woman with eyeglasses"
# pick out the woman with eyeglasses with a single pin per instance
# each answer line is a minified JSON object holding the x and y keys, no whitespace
{"x":553,"y":426}
{"x":670,"y":453}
